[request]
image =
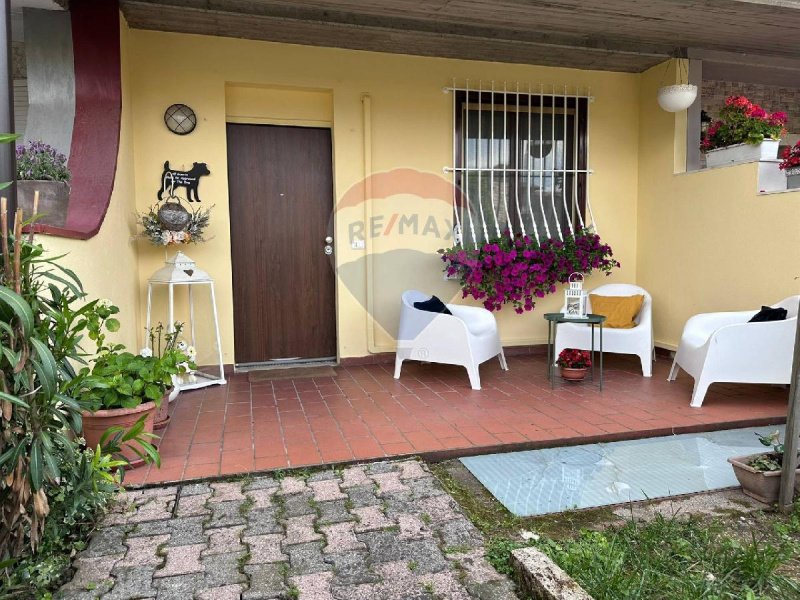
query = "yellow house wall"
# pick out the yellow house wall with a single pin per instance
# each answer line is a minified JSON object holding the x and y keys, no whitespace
{"x":108,"y":263}
{"x":707,"y":240}
{"x":393,"y":106}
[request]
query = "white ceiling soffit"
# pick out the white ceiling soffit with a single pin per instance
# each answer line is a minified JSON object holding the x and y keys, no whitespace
{"x":42,"y":4}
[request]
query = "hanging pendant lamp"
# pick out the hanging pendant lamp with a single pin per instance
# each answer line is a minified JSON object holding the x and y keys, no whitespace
{"x":678,"y":97}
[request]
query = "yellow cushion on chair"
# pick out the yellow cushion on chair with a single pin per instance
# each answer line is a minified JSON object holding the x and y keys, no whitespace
{"x":619,"y":311}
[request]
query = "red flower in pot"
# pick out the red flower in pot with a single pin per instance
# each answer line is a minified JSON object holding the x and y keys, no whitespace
{"x":574,"y":363}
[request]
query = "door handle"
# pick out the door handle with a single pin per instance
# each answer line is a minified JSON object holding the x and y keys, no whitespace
{"x":328,"y":240}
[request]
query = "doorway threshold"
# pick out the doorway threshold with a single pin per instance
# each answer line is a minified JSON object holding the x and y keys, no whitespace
{"x":326,"y":361}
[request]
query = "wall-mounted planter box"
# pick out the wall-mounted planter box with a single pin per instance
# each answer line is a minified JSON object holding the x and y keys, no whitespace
{"x":792,"y":178}
{"x":53,"y":200}
{"x":740,"y":153}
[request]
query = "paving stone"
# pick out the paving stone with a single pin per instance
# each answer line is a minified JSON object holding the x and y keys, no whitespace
{"x":298,"y":505}
{"x":439,"y":508}
{"x":181,"y":560}
{"x":142,"y":551}
{"x":371,"y":518}
{"x":149,"y":528}
{"x":476,"y":568}
{"x":106,"y":541}
{"x":400,"y":582}
{"x":412,"y":469}
{"x":264,"y":521}
{"x":223,"y":569}
{"x":261,"y":483}
{"x":292,"y":485}
{"x":425,"y":488}
{"x":227,"y":491}
{"x":334,"y":512}
{"x":492,"y":590}
{"x":262,"y":498}
{"x":192,"y":506}
{"x":313,"y":587}
{"x":265,"y":549}
{"x":92,"y":572}
{"x":386,"y":547}
{"x":325,"y":475}
{"x":300,"y":530}
{"x":389,"y":483}
{"x":327,"y":490}
{"x":75,"y":594}
{"x":367,"y":591}
{"x":445,"y":585}
{"x":412,"y":527}
{"x":187,"y":531}
{"x":226,"y":592}
{"x":354,"y":477}
{"x":194,"y":489}
{"x":158,"y":491}
{"x":341,"y":538}
{"x":226,"y":514}
{"x":306,"y":558}
{"x":132,"y":582}
{"x":352,"y":568}
{"x":179,"y":587}
{"x":154,"y":508}
{"x":224,"y":541}
{"x":459,"y":534}
{"x":363,"y":495}
{"x":381,"y":466}
{"x":266,"y":581}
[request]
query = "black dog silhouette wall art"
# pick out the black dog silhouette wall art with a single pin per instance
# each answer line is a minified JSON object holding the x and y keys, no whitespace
{"x":189,"y":180}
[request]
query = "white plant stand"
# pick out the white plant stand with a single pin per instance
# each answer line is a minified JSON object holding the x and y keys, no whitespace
{"x":180,"y":270}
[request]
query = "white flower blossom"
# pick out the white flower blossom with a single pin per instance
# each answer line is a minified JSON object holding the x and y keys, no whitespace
{"x":191,"y":352}
{"x":182,"y":346}
{"x":146,"y":352}
{"x":710,"y":577}
{"x":105,"y":303}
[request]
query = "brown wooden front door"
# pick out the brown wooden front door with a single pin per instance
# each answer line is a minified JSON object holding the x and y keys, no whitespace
{"x":281,"y":194}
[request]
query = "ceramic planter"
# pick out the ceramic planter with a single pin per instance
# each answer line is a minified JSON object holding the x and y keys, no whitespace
{"x":740,"y":153}
{"x":96,"y":423}
{"x":53,"y":200}
{"x":764,"y":486}
{"x":573,"y":374}
{"x":792,"y":178}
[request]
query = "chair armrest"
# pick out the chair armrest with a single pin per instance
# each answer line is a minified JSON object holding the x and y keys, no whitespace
{"x":713,"y":321}
{"x":471,"y":313}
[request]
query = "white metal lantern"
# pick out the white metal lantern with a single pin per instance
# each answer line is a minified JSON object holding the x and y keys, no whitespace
{"x":180,"y":270}
{"x":675,"y":98}
{"x":575,"y":297}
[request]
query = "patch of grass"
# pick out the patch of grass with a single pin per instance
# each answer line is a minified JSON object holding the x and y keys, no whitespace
{"x":280,"y":506}
{"x":348,"y":504}
{"x":293,"y":592}
{"x":721,"y":557}
{"x":313,"y":504}
{"x":428,"y":587}
{"x":426,"y":518}
{"x":243,"y":560}
{"x":462,"y":549}
{"x":413,"y":565}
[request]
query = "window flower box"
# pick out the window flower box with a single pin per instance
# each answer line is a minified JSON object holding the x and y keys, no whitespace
{"x":53,"y":200}
{"x":741,"y":153}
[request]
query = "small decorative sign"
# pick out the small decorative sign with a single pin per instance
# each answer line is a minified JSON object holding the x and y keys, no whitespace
{"x":189,"y":180}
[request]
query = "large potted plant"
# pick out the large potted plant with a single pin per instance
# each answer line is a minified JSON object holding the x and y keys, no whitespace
{"x":744,"y":132}
{"x":121,"y":393}
{"x":41,"y":168}
{"x":790,"y":165}
{"x":760,"y":474}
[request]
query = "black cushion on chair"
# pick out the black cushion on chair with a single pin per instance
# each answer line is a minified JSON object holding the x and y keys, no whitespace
{"x":433,"y":305}
{"x":767,"y":313}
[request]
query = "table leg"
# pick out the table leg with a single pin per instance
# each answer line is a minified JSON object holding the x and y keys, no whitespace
{"x":601,"y":357}
{"x":550,"y":353}
{"x":592,"y":354}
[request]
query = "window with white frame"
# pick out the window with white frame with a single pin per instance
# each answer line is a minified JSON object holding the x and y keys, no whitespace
{"x":520,"y":163}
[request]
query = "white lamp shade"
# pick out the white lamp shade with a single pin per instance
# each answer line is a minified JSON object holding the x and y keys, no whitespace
{"x":674,"y":98}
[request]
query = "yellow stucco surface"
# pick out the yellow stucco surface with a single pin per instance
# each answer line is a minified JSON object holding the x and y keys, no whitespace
{"x":698,"y":241}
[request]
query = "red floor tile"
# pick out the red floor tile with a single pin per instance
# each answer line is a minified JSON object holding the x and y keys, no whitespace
{"x":364,"y":413}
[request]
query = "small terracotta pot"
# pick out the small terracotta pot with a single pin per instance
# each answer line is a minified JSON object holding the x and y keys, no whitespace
{"x":574,"y":374}
{"x":161,"y":417}
{"x":95,"y":425}
{"x":764,"y":486}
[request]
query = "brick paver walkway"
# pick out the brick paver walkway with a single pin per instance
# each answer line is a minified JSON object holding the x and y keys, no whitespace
{"x":382,"y":531}
{"x":363,"y":413}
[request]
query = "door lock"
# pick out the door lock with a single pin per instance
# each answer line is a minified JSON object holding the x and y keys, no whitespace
{"x":328,"y":250}
{"x":328,"y":240}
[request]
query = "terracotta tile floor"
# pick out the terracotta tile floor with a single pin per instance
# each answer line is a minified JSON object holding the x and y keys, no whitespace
{"x":363,"y":413}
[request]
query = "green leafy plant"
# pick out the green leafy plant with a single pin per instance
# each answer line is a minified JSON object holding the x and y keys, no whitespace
{"x":771,"y":461}
{"x":743,"y":122}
